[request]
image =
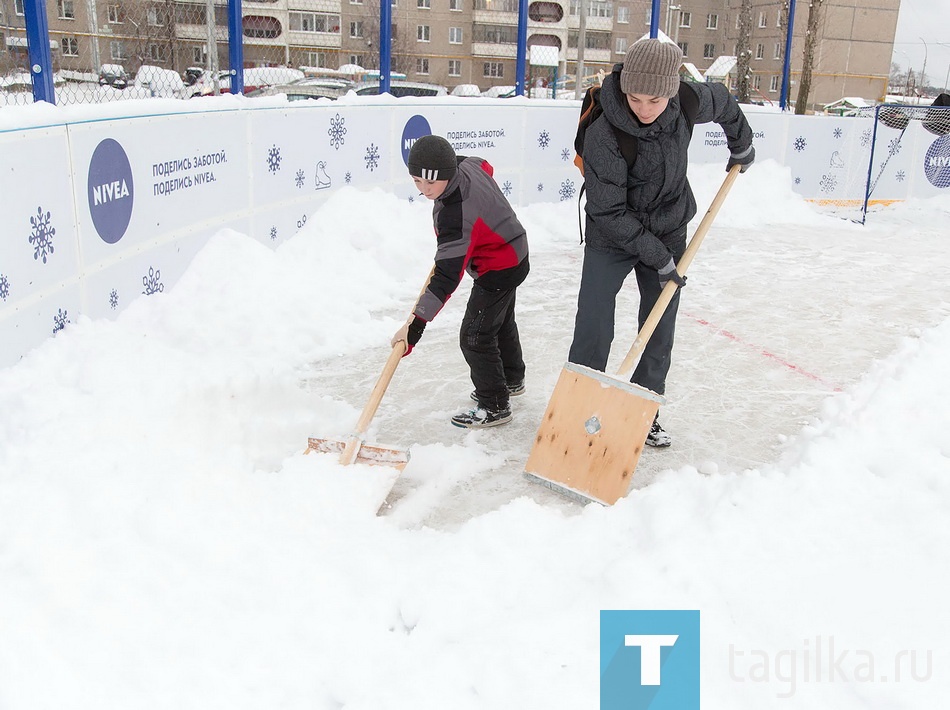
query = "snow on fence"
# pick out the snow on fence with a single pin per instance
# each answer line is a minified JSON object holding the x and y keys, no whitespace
{"x":103,"y":208}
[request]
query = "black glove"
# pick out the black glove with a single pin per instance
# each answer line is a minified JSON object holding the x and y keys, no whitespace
{"x":743,"y":158}
{"x":669,"y":272}
{"x":414,"y":333}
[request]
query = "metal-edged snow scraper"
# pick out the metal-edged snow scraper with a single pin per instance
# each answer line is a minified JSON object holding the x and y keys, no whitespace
{"x":354,"y":449}
{"x":596,"y":425}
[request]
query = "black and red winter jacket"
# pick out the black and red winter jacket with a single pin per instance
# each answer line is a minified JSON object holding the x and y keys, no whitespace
{"x":477,"y":231}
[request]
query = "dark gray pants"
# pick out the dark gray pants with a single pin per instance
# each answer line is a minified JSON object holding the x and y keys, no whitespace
{"x":491,"y":346}
{"x":602,"y":276}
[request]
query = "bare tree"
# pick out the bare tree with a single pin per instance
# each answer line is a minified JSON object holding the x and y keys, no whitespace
{"x":808,"y":60}
{"x":744,"y":53}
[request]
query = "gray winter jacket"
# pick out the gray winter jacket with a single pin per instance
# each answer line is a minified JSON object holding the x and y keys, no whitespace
{"x":641,"y":211}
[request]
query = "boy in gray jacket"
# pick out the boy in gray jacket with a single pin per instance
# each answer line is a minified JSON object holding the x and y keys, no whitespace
{"x":637,"y":214}
{"x":476,"y":231}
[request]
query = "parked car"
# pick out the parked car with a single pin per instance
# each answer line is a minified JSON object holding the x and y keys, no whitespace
{"x":308,"y":88}
{"x":466,"y":90}
{"x":113,"y":75}
{"x":499,"y":92}
{"x":400,"y":89}
{"x":158,"y":81}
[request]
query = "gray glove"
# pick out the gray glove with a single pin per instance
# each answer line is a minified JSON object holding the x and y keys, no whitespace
{"x":668,"y":273}
{"x":742,"y":158}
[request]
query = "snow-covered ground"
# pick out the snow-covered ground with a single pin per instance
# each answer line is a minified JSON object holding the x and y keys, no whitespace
{"x":165,"y":543}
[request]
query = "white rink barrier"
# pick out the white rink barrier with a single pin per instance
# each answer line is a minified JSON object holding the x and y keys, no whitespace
{"x":101,"y":209}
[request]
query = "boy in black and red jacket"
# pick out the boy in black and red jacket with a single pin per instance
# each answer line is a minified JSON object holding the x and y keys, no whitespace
{"x":476,"y":231}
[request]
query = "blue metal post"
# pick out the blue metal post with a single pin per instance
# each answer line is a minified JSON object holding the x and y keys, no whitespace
{"x":655,"y":19}
{"x":41,"y":60}
{"x":521,"y":60}
{"x":235,"y":46}
{"x":786,"y":65}
{"x":385,"y":44}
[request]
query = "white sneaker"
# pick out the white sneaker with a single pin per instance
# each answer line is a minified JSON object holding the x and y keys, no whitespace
{"x":657,"y":436}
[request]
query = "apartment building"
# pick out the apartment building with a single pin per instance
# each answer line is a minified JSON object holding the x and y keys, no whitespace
{"x":454,"y":42}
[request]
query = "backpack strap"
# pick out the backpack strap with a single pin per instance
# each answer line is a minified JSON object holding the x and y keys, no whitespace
{"x":689,"y":104}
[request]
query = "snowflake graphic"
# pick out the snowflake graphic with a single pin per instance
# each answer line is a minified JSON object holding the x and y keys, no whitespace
{"x":838,"y":133}
{"x":544,"y":139}
{"x":4,"y":287}
{"x":412,"y":198}
{"x":372,"y":157}
{"x":113,"y":299}
{"x":299,"y":178}
{"x":567,"y":190}
{"x":273,"y":233}
{"x":337,"y":131}
{"x":901,"y":176}
{"x":540,"y":187}
{"x":798,"y":181}
{"x":865,"y":137}
{"x":828,"y":183}
{"x":348,"y":178}
{"x":566,"y":154}
{"x":41,"y":236}
{"x":800,"y":144}
{"x":273,"y":159}
{"x":894,"y":147}
{"x":60,"y":320}
{"x":153,"y":282}
{"x":507,"y":188}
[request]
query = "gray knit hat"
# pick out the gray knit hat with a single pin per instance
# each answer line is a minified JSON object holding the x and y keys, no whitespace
{"x":652,"y":67}
{"x":432,"y":158}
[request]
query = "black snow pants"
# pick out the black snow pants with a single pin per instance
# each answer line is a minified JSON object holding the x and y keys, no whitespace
{"x":491,"y":346}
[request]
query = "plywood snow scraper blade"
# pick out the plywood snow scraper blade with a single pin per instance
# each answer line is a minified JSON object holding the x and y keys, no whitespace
{"x":354,"y":450}
{"x":596,"y":425}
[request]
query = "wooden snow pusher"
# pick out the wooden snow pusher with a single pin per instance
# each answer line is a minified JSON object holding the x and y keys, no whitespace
{"x":596,"y":425}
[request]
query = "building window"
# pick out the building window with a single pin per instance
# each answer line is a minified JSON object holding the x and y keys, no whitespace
{"x":455,"y":5}
{"x":620,"y":46}
{"x":356,"y":2}
{"x":758,"y":82}
{"x":117,"y":50}
{"x":66,"y":11}
{"x":778,"y":50}
{"x":424,"y":4}
{"x":315,"y":59}
{"x":623,"y":14}
{"x":155,"y":17}
{"x":422,"y":33}
{"x":114,"y":13}
{"x":356,"y":28}
{"x":198,"y":55}
{"x":494,"y":5}
{"x":356,"y":59}
{"x":684,"y":46}
{"x":422,"y":65}
{"x":773,"y":85}
{"x":314,"y":22}
{"x":686,"y":19}
{"x":763,"y":19}
{"x":709,"y":51}
{"x":455,"y":35}
{"x":759,"y":51}
{"x":157,"y":53}
{"x":595,"y":8}
{"x":649,"y":16}
{"x":70,"y":46}
{"x":712,"y":22}
{"x":455,"y":67}
{"x":495,"y":34}
{"x":18,"y":8}
{"x":494,"y":70}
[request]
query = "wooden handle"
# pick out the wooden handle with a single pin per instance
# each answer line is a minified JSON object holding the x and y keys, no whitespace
{"x":352,"y":447}
{"x":666,"y":295}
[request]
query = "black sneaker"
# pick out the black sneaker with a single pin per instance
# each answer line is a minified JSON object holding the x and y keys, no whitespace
{"x":657,"y":436}
{"x":479,"y":418}
{"x":513,"y":391}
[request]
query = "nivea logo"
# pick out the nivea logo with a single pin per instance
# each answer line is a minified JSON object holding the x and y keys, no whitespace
{"x":937,"y":162}
{"x":416,"y":128}
{"x":110,"y":190}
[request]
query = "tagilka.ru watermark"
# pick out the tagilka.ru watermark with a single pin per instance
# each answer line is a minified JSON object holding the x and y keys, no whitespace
{"x":822,"y":660}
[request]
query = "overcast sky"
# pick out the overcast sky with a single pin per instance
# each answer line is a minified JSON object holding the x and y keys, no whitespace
{"x":922,"y":30}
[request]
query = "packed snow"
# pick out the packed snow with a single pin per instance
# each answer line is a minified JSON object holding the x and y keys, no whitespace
{"x":166,"y":543}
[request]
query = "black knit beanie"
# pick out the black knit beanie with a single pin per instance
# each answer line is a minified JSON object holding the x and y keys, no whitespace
{"x":432,"y":158}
